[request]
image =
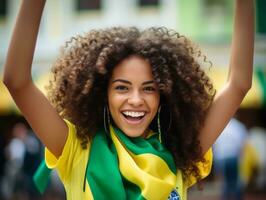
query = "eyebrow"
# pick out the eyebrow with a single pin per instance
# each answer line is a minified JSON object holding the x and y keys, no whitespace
{"x":128,"y":82}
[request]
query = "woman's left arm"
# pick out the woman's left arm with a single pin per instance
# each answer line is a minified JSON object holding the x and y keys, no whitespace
{"x":227,"y":101}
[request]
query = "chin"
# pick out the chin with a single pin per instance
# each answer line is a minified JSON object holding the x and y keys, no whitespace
{"x":133,"y":133}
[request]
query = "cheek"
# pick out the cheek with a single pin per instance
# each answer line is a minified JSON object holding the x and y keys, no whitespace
{"x":154,"y":103}
{"x":114,"y":101}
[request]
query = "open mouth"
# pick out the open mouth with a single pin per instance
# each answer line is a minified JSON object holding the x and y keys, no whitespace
{"x":133,"y":116}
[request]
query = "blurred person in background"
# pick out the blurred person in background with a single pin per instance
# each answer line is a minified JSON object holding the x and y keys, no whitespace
{"x":32,"y":158}
{"x":15,"y":152}
{"x":2,"y":162}
{"x":227,"y":151}
{"x":110,"y":89}
{"x":24,"y":153}
{"x":253,"y":162}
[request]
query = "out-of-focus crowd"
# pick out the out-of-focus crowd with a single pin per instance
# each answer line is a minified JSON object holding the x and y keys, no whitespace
{"x":240,"y":160}
{"x":239,"y":164}
{"x":19,"y":159}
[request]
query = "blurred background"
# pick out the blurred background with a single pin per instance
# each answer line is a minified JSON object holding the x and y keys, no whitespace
{"x":239,"y":167}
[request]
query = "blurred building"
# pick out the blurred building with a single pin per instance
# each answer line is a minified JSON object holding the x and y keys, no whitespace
{"x":209,"y":22}
{"x":65,"y":18}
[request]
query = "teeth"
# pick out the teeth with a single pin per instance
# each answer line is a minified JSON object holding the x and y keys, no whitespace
{"x":134,"y":114}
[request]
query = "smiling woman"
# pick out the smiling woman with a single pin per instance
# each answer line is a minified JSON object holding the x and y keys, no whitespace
{"x":133,"y":96}
{"x":133,"y":106}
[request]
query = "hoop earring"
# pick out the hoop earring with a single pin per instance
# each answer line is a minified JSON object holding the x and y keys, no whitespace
{"x":159,"y":125}
{"x":170,"y":121}
{"x":106,"y":113}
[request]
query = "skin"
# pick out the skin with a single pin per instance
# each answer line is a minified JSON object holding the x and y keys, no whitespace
{"x":132,"y":89}
{"x":17,"y":77}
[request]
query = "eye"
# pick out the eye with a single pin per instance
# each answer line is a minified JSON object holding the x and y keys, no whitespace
{"x":149,"y":89}
{"x":121,"y":88}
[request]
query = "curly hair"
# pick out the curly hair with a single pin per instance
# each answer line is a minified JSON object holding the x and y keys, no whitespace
{"x":78,"y":88}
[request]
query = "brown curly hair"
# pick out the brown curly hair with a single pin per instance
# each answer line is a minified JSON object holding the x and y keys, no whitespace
{"x":78,"y":89}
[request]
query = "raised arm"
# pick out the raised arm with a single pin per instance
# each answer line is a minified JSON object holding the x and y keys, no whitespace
{"x":239,"y":80}
{"x":43,"y":118}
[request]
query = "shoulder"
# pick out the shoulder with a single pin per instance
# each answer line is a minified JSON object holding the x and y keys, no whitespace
{"x":72,"y":155}
{"x":203,"y":167}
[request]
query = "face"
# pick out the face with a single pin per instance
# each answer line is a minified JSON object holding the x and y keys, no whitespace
{"x":133,"y":96}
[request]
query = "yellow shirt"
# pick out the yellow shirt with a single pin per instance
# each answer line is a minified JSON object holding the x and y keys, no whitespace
{"x":71,"y":167}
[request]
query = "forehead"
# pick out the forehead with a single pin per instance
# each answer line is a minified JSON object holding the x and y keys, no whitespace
{"x":133,"y":68}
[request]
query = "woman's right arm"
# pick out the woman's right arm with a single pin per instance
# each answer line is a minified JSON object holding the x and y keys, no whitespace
{"x":43,"y":118}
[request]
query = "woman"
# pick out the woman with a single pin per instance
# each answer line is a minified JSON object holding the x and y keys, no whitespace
{"x":128,"y":105}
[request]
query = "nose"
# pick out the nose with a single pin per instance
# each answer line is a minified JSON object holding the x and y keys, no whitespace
{"x":135,"y":99}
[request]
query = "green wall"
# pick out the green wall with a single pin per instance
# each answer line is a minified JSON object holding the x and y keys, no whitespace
{"x":198,"y":21}
{"x":261,"y":16}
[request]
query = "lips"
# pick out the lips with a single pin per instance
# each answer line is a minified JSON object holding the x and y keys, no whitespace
{"x":133,"y":117}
